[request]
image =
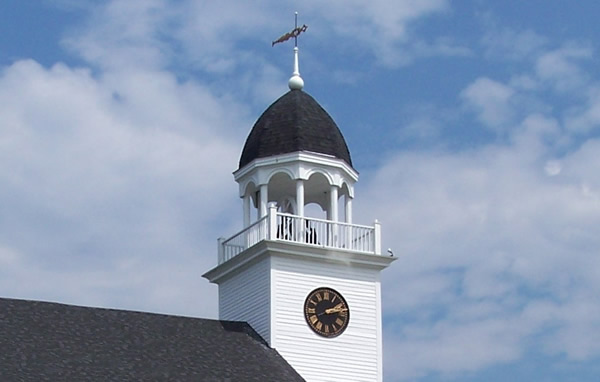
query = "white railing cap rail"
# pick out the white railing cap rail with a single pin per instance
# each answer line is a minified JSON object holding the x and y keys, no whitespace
{"x":324,"y":221}
{"x":225,"y":241}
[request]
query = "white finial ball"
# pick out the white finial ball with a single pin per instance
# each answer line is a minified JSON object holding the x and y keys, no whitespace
{"x":296,"y":83}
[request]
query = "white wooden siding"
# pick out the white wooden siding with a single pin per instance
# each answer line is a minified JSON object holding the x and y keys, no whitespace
{"x":245,"y":296}
{"x":355,"y":355}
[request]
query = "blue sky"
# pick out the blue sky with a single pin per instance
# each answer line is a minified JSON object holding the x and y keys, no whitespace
{"x":474,"y":126}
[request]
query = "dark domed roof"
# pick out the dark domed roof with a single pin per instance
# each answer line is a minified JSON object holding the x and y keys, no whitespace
{"x":295,"y":122}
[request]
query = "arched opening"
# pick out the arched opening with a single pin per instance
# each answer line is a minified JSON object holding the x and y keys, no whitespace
{"x":282,"y":191}
{"x":316,"y":190}
{"x":313,"y":210}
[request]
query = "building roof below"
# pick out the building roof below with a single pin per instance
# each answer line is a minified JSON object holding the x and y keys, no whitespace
{"x":50,"y":341}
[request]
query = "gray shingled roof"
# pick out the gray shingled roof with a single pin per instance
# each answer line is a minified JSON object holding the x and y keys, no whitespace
{"x":295,"y":122}
{"x":41,"y":341}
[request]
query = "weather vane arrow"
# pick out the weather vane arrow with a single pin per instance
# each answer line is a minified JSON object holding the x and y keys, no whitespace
{"x":293,"y":34}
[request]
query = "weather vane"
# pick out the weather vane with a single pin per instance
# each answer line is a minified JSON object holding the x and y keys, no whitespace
{"x":294,"y":33}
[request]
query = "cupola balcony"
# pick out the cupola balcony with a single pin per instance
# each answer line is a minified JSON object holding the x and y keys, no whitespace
{"x":307,"y":231}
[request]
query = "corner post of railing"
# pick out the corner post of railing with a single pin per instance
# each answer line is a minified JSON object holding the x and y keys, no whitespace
{"x":377,"y":227}
{"x":272,"y":222}
{"x":221,"y":250}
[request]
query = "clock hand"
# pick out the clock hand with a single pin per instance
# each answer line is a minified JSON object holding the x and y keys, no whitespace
{"x":326,"y":311}
{"x":335,"y":310}
{"x":331,"y":310}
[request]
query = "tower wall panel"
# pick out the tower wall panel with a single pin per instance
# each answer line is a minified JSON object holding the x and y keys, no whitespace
{"x":352,"y":356}
{"x":245,"y":296}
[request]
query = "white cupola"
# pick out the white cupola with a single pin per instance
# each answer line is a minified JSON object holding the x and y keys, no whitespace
{"x":309,"y":286}
{"x":296,"y":155}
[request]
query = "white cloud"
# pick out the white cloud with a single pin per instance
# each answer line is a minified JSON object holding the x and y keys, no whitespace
{"x":559,"y":67}
{"x":582,"y":119}
{"x":124,"y":34}
{"x":92,"y":169}
{"x":524,"y":82}
{"x":511,"y":44}
{"x":210,"y":36}
{"x":497,"y":244}
{"x":491,"y":100}
{"x":452,"y":348}
{"x":485,"y":240}
{"x":552,"y":167}
{"x":578,"y":337}
{"x":132,"y":36}
{"x":377,"y":20}
{"x":8,"y":257}
{"x":380,"y":27}
{"x":425,"y":122}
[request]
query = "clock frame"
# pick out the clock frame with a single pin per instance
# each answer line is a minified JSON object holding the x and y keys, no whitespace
{"x":326,"y":312}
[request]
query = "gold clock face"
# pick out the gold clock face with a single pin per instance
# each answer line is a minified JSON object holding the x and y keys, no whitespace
{"x":326,"y":312}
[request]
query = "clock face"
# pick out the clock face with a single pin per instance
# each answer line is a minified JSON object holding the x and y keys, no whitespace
{"x":326,"y":312}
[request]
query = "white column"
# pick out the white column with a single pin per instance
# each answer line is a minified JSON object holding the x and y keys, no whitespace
{"x":348,"y":210}
{"x":264,"y":199}
{"x":272,"y":222}
{"x":247,"y":202}
{"x":333,"y":204}
{"x":300,"y":197}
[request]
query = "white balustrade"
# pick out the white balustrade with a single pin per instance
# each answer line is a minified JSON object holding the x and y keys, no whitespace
{"x":298,"y":229}
{"x":243,"y":240}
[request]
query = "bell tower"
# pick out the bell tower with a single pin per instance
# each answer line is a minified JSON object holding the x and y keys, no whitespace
{"x":310,"y":286}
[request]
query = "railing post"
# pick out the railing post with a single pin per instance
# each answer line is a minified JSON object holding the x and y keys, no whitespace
{"x":377,"y":237}
{"x":301,"y":229}
{"x":348,"y":236}
{"x":272,"y":221}
{"x":220,"y":250}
